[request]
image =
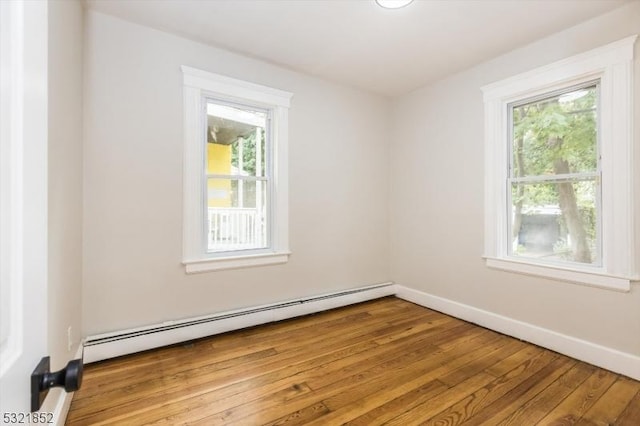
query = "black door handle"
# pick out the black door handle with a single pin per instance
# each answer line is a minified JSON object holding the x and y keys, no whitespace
{"x":42,"y":379}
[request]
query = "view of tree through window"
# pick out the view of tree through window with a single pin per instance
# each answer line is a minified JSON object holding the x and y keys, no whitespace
{"x":554,"y":177}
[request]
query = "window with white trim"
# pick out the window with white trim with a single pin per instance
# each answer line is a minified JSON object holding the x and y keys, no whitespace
{"x":558,"y":170}
{"x":235,"y":173}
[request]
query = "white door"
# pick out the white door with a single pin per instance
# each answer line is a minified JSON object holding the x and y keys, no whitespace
{"x":23,"y":199}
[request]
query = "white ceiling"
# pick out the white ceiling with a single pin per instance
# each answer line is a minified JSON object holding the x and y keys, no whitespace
{"x":358,"y":43}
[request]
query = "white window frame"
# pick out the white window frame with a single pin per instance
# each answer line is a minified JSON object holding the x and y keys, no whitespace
{"x":612,"y":65}
{"x":200,"y":86}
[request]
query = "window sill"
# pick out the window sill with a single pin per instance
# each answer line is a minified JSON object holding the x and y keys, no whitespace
{"x":590,"y":278}
{"x":235,"y":262}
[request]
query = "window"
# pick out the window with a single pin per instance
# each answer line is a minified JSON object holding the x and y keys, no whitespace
{"x":238,"y":179}
{"x":554,"y":177}
{"x":235,"y":173}
{"x":558,"y":161}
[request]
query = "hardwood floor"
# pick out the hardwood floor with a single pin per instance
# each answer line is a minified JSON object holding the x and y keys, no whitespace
{"x":382,"y":362}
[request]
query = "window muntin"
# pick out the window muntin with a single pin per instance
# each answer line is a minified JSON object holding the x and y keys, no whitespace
{"x":553,"y":186}
{"x":238,"y":177}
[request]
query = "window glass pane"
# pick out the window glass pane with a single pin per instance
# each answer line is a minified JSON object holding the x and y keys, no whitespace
{"x":235,"y":141}
{"x":236,"y":214}
{"x":556,"y":221}
{"x":556,"y":135}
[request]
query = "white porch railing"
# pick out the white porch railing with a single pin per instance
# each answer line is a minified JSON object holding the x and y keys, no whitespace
{"x":235,"y":229}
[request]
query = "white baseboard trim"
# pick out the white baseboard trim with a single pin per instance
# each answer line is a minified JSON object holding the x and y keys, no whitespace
{"x":110,"y":345}
{"x":58,"y":401}
{"x":601,"y":356}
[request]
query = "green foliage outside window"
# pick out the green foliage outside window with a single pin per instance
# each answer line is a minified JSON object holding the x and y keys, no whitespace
{"x":555,"y":139}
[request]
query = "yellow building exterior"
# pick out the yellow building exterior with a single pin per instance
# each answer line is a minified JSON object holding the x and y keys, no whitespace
{"x":219,"y":163}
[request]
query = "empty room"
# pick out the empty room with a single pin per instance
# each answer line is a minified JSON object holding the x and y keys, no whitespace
{"x":283,"y":212}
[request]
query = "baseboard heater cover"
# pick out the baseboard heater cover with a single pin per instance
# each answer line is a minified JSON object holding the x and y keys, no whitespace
{"x":111,"y":345}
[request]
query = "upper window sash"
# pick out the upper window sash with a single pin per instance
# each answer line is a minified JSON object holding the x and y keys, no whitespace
{"x":546,"y":96}
{"x":266,"y":170}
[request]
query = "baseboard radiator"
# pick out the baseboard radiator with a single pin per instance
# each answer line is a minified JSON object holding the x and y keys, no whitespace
{"x":111,"y":345}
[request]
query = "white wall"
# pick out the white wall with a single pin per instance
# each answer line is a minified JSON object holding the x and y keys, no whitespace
{"x":132,"y":158}
{"x":437,"y":199}
{"x":65,"y":179}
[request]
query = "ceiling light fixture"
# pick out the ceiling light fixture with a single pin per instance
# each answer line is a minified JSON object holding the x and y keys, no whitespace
{"x":393,"y":4}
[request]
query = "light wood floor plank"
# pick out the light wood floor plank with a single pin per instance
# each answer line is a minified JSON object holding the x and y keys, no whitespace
{"x":609,"y":407}
{"x":574,"y":406}
{"x":385,"y":361}
{"x":631,"y":415}
{"x":531,"y":362}
{"x":536,"y":408}
{"x":522,"y":393}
